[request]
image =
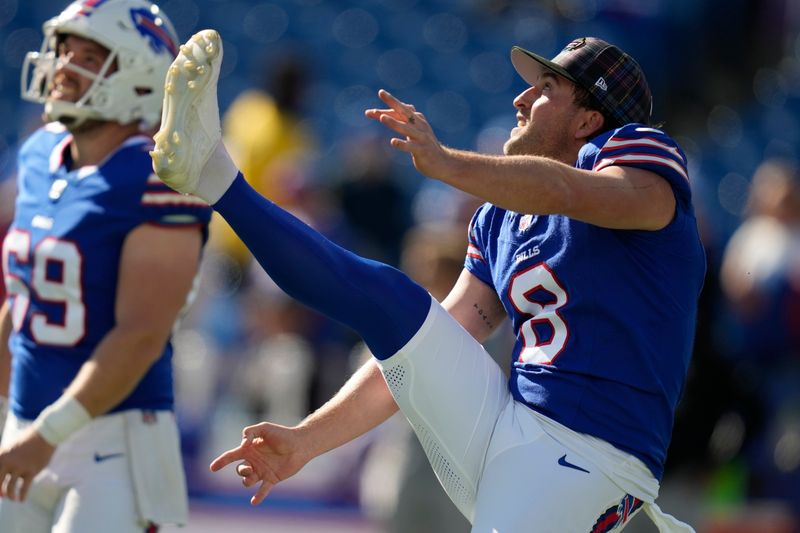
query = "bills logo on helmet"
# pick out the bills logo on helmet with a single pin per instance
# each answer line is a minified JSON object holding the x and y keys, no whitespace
{"x":151,"y":27}
{"x":87,"y":6}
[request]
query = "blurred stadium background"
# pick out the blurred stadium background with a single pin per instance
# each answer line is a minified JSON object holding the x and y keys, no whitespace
{"x":296,"y":78}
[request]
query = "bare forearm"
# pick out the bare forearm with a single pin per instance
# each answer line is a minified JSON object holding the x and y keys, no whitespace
{"x":363,"y":403}
{"x":118,"y":364}
{"x":617,"y":197}
{"x":525,"y":184}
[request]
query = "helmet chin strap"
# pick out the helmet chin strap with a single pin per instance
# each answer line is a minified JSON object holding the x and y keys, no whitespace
{"x":66,"y":112}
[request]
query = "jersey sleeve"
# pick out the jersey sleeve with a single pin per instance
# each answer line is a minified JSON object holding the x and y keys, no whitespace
{"x":166,"y":207}
{"x":476,"y":260}
{"x":646,"y":148}
{"x":155,"y":202}
{"x":37,"y":151}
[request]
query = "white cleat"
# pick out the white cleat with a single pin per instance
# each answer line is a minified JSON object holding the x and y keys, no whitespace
{"x":190,"y":128}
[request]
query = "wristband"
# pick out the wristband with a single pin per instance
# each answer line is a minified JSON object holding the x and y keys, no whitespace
{"x":61,"y":419}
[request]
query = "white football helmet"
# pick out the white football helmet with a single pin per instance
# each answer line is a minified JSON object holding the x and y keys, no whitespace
{"x":142,"y":42}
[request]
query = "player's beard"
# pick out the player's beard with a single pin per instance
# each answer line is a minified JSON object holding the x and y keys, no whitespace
{"x":533,"y":140}
{"x":86,"y":126}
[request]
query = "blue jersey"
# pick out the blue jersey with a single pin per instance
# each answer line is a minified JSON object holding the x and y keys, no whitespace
{"x":62,"y":256}
{"x":604,"y":319}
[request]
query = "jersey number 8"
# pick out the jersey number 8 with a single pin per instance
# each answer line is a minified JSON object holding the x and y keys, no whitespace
{"x":524,"y":286}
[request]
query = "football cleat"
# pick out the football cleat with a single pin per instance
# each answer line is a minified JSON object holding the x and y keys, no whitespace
{"x":190,"y":127}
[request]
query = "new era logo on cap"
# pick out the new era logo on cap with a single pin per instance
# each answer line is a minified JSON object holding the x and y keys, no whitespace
{"x":613,"y":77}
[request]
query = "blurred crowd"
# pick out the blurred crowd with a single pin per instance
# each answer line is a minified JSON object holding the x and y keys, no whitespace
{"x":726,"y":79}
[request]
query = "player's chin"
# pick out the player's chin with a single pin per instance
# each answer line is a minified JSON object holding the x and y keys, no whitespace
{"x":511,"y":146}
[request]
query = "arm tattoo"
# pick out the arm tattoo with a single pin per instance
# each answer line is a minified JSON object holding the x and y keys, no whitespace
{"x":483,"y":315}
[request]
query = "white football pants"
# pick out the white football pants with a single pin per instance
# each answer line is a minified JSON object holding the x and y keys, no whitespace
{"x":91,"y":482}
{"x":490,"y":453}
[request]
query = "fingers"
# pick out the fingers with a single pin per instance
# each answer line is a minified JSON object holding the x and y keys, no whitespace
{"x":262,"y":492}
{"x":244,"y":469}
{"x":248,"y":474}
{"x":250,"y":436}
{"x":15,"y":486}
{"x":23,"y":491}
{"x":376,"y":114}
{"x":404,"y":128}
{"x":249,"y":433}
{"x":394,"y":103}
{"x":402,"y":145}
{"x":399,"y":111}
{"x":236,"y":454}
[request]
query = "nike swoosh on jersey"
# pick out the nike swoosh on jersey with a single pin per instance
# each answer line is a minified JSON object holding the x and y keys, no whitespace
{"x":563,"y":462}
{"x":100,"y":458}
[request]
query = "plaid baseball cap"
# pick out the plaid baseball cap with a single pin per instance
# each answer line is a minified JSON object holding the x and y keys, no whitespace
{"x":610,"y":75}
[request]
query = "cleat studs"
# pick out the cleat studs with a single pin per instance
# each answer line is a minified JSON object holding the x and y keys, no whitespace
{"x":201,"y":70}
{"x":188,"y":65}
{"x":176,"y":138}
{"x":211,"y":50}
{"x":169,"y":88}
{"x":185,"y":49}
{"x":192,"y":85}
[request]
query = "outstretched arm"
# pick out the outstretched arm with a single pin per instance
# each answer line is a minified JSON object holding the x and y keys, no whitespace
{"x":271,"y":453}
{"x":614,"y":197}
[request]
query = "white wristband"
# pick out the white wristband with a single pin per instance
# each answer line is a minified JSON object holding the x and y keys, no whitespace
{"x":61,"y":419}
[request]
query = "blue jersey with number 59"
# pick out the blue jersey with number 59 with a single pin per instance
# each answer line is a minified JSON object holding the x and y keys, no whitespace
{"x":61,"y":258}
{"x":604,"y":319}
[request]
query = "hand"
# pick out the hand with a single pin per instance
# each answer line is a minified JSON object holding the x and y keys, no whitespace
{"x":20,"y":462}
{"x":271,"y":453}
{"x":428,"y":155}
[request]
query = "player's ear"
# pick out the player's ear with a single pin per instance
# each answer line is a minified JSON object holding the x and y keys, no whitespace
{"x":590,"y":122}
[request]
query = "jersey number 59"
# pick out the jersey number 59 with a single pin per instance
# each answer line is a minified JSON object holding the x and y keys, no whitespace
{"x":62,"y":288}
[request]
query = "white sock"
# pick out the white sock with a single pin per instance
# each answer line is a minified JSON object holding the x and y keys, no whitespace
{"x":216,"y":176}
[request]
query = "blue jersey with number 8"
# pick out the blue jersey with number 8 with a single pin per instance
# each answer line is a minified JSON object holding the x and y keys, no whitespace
{"x":604,"y":319}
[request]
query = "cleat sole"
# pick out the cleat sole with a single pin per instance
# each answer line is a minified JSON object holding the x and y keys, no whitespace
{"x":184,"y":83}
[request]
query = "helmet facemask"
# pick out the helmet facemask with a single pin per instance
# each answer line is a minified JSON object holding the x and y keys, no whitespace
{"x":141,"y":44}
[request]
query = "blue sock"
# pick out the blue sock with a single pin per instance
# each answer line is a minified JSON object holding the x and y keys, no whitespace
{"x":379,"y":302}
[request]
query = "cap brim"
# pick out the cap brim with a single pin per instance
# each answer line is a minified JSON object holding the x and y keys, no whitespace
{"x":529,"y":65}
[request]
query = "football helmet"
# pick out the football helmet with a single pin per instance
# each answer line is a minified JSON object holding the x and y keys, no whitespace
{"x":142,"y":43}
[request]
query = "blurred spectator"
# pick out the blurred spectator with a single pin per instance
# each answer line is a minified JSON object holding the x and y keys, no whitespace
{"x":273,"y":377}
{"x":761,"y":267}
{"x":372,"y":200}
{"x":760,"y":278}
{"x":267,"y":139}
